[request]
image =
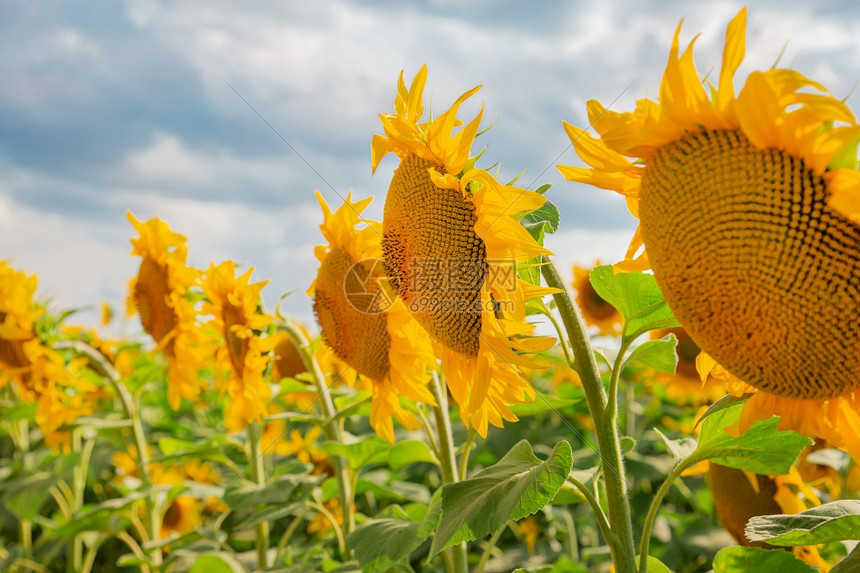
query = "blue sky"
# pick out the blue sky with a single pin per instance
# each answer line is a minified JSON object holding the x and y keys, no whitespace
{"x":114,"y":106}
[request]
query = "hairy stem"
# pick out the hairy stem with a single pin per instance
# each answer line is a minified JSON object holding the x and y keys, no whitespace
{"x":605,"y":421}
{"x":448,"y":459}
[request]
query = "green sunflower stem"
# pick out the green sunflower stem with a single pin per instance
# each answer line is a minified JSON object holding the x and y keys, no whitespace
{"x":332,"y":430}
{"x":605,"y":422}
{"x":25,"y":536}
{"x":652,"y":513}
{"x":79,"y":481}
{"x":129,"y":404}
{"x":255,"y":457}
{"x":448,"y":460}
{"x":25,"y":526}
{"x":152,"y":507}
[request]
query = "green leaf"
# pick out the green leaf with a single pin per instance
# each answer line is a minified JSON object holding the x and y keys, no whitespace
{"x":681,"y":449}
{"x":762,"y":449}
{"x":542,"y":403}
{"x":627,"y":445}
{"x":174,"y":449}
{"x":850,"y":564}
{"x":739,"y":559}
{"x":847,"y":156}
{"x":835,"y":521}
{"x":217,"y":563}
{"x":655,"y":565}
{"x":102,"y":517}
{"x":529,"y":271}
{"x":726,"y":401}
{"x":409,"y":452}
{"x":658,"y":355}
{"x":246,"y":495}
{"x":24,"y":497}
{"x":169,"y":446}
{"x":17,"y":411}
{"x":346,"y":406}
{"x":271,"y":513}
{"x":132,"y":560}
{"x":543,"y":189}
{"x":561,"y":565}
{"x":370,"y":450}
{"x":541,"y":221}
{"x":380,"y":544}
{"x":518,"y":485}
{"x":293,"y":386}
{"x":379,"y":486}
{"x":637,"y":297}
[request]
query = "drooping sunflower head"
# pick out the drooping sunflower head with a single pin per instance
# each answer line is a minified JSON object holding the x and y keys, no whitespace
{"x":162,"y":273}
{"x":366,"y":327}
{"x":740,"y":495}
{"x":451,"y":244}
{"x":234,"y":304}
{"x":159,"y":295}
{"x":745,"y":207}
{"x":595,"y":311}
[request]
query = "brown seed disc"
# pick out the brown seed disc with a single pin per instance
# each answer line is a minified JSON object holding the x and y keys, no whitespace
{"x":359,"y":339}
{"x":434,"y":256}
{"x":760,"y":271}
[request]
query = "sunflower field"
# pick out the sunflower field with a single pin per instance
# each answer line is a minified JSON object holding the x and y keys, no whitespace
{"x":459,"y":405}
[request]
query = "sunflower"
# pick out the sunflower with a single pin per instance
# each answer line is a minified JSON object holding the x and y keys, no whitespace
{"x":744,"y":207}
{"x":739,"y":495}
{"x":451,"y":242}
{"x":159,"y":295}
{"x":287,"y":361}
{"x":181,"y":516}
{"x":301,"y":445}
{"x":321,"y":523}
{"x":39,"y":375}
{"x":366,"y":327}
{"x":17,"y":314}
{"x":233,"y":303}
{"x":595,"y":311}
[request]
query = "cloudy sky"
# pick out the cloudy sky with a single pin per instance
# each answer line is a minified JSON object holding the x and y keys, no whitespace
{"x":114,"y":106}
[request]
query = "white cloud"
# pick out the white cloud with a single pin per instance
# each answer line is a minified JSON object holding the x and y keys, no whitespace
{"x":584,"y":247}
{"x":167,"y":160}
{"x":142,"y":13}
{"x":75,"y":268}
